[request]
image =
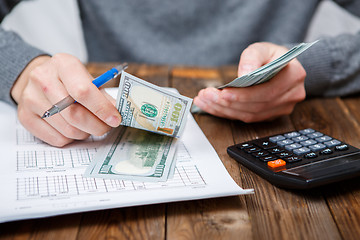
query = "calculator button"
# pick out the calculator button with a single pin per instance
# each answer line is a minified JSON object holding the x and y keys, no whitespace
{"x":310,"y":155}
{"x":291,"y":134}
{"x":275,"y":150}
{"x":292,"y":159}
{"x":265,"y":144}
{"x":276,"y":138}
{"x":306,"y":131}
{"x":326,"y":151}
{"x":276,"y":163}
{"x":284,"y":142}
{"x":315,"y":135}
{"x":300,"y":138}
{"x":342,"y":147}
{"x":252,"y":149}
{"x":244,"y":145}
{"x":332,"y":143}
{"x":317,"y":147}
{"x":284,"y":154}
{"x":301,"y":151}
{"x":260,"y":154}
{"x":323,"y":138}
{"x":292,"y":146}
{"x":268,"y":158}
{"x":308,"y":142}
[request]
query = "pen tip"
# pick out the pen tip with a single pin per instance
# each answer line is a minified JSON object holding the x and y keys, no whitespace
{"x":46,"y":114}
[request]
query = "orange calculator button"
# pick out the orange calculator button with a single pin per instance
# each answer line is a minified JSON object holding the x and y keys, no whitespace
{"x":276,"y":163}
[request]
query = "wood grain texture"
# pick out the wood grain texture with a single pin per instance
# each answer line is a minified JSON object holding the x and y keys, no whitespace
{"x":143,"y":222}
{"x":336,"y":118}
{"x":60,"y":227}
{"x":344,"y":197}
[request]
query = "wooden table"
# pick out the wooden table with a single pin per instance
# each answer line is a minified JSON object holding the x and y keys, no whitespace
{"x":330,"y":212}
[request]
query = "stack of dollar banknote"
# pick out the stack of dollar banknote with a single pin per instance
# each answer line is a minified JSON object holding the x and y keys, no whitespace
{"x":265,"y":72}
{"x":143,"y":148}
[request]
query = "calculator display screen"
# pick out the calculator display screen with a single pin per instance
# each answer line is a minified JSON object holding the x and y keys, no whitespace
{"x":327,"y":167}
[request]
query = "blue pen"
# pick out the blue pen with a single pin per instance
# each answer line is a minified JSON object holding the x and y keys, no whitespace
{"x":64,"y":103}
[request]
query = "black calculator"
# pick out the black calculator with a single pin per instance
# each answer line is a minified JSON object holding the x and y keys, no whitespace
{"x":299,"y":159}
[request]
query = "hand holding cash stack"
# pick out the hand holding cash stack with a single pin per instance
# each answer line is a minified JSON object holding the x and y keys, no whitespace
{"x":264,"y":73}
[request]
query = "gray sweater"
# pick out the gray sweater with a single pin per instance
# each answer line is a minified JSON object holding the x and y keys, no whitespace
{"x":201,"y":32}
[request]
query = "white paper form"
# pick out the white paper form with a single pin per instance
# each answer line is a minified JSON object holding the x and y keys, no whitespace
{"x":37,"y":180}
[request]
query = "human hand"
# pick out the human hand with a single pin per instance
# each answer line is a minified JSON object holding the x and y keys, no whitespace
{"x":44,"y":82}
{"x":265,"y":101}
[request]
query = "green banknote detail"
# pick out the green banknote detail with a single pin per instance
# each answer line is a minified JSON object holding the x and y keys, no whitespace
{"x":135,"y":152}
{"x":146,"y":106}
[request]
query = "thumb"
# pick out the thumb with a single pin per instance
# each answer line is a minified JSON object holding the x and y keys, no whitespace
{"x":253,"y":57}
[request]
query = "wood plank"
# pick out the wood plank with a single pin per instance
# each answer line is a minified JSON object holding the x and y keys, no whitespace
{"x":339,"y":120}
{"x":330,"y":116}
{"x":143,"y":222}
{"x":156,"y":74}
{"x":218,"y":218}
{"x":344,"y":197}
{"x":59,"y":227}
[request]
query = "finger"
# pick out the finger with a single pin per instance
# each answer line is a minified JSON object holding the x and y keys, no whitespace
{"x":84,"y":120}
{"x":254,"y":112}
{"x":257,"y":55}
{"x":41,"y":129}
{"x":36,"y":107}
{"x":244,"y":114}
{"x":253,"y":57}
{"x":207,"y":107}
{"x":46,"y":80}
{"x":78,"y":84}
{"x":212,"y":95}
{"x":247,"y":116}
{"x":108,"y":97}
{"x":269,"y":91}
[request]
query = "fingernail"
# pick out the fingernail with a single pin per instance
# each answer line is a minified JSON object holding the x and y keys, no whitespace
{"x":113,"y":121}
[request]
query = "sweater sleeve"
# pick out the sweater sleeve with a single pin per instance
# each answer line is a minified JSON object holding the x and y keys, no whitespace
{"x":333,"y":66}
{"x":15,"y":54}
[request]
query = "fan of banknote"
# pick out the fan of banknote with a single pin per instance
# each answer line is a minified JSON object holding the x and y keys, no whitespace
{"x":265,"y":72}
{"x":269,"y":70}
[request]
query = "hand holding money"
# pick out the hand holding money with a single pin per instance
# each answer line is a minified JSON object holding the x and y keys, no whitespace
{"x":264,"y":101}
{"x":129,"y":152}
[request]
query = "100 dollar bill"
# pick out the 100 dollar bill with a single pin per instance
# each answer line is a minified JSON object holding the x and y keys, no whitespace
{"x":269,"y":70}
{"x":133,"y":154}
{"x":146,"y":106}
